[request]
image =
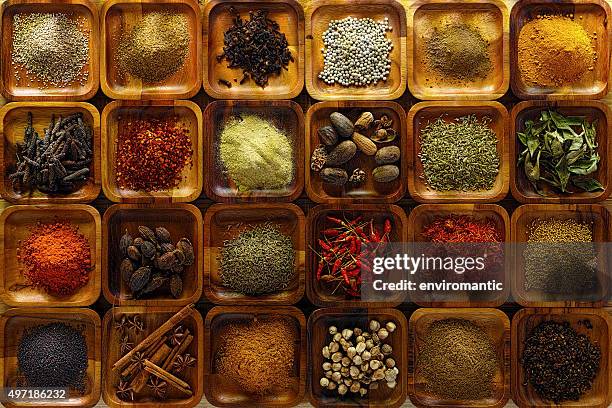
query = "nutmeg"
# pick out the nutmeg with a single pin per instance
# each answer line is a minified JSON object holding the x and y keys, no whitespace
{"x":342,"y":124}
{"x":386,"y":173}
{"x":334,"y":175}
{"x":341,"y":154}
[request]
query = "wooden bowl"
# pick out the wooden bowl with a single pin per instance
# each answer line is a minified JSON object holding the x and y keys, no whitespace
{"x":425,"y":112}
{"x":370,"y":191}
{"x":423,"y":215}
{"x":285,"y":115}
{"x":521,"y":188}
{"x":526,"y":320}
{"x":18,"y":90}
{"x":316,"y":222}
{"x":217,"y":20}
{"x":181,"y":220}
{"x":523,"y":217}
{"x":15,"y":322}
{"x":153,"y":317}
{"x":491,"y":18}
{"x":222,"y":392}
{"x":13,"y":121}
{"x":15,"y":224}
{"x":318,"y":16}
{"x":184,"y":84}
{"x":497,"y":326}
{"x":594,"y":16}
{"x":189,"y":115}
{"x":224,"y":222}
{"x":318,"y":337}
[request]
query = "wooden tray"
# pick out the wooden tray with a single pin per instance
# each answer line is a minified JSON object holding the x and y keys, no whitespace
{"x":318,"y":336}
{"x":189,"y":114}
{"x":15,"y":223}
{"x":522,"y":218}
{"x":13,"y":120}
{"x":220,"y":391}
{"x":424,"y":214}
{"x":491,"y":18}
{"x":594,"y":16}
{"x":527,"y":319}
{"x":285,"y":115}
{"x":15,"y":322}
{"x":182,"y":85}
{"x":318,"y":116}
{"x":18,"y":90}
{"x":521,"y":188}
{"x":217,"y":20}
{"x":316,"y":222}
{"x":318,"y":16}
{"x":220,"y":223}
{"x":494,"y":322}
{"x":424,"y":112}
{"x":153,"y":317}
{"x":181,"y":220}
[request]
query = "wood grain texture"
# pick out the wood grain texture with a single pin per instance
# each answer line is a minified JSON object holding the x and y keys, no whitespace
{"x":15,"y":225}
{"x":318,"y":16}
{"x":522,"y":219}
{"x":13,"y":121}
{"x":181,"y":220}
{"x":526,"y":320}
{"x":225,"y":222}
{"x":494,"y":322}
{"x":117,"y":114}
{"x":492,"y":20}
{"x":23,"y":89}
{"x":15,"y":322}
{"x":521,"y":188}
{"x":369,"y":191}
{"x":119,"y":15}
{"x":217,"y":20}
{"x":424,"y":112}
{"x":221,"y":391}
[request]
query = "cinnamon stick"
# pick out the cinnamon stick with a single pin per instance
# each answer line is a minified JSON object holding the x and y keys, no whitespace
{"x":169,"y":378}
{"x":148,"y":353}
{"x":179,"y":349}
{"x":141,"y":379}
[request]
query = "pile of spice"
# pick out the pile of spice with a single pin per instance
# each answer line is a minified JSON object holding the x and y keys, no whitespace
{"x":152,"y":263}
{"x":459,"y":52}
{"x":53,"y":355}
{"x":255,"y":154}
{"x":155,"y":48}
{"x":356,"y":52}
{"x":560,"y":153}
{"x":559,"y":363}
{"x":256,"y":46}
{"x":259,"y":261}
{"x":152,"y":154}
{"x":457,"y":360}
{"x":560,"y":257}
{"x":153,"y":366}
{"x":358,"y":360}
{"x":57,"y":163}
{"x":258,"y":355}
{"x":555,"y":50}
{"x":459,"y":155}
{"x":331,"y":157}
{"x":52,"y":49}
{"x":342,"y":265}
{"x":56,"y":258}
{"x":461,"y":228}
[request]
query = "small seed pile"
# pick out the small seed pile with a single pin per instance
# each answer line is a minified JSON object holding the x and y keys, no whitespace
{"x":358,"y":360}
{"x":259,"y":261}
{"x":356,"y":52}
{"x":151,"y":263}
{"x":559,"y":363}
{"x":457,"y":360}
{"x":52,"y":49}
{"x":155,"y":48}
{"x":560,"y":257}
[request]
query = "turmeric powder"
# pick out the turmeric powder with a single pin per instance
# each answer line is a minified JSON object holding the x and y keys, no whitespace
{"x":554,"y":51}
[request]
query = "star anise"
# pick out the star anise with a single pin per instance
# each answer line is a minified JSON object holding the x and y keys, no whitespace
{"x":138,"y":357}
{"x":121,"y":324}
{"x":178,"y":335}
{"x":183,"y":362}
{"x":125,"y":391}
{"x":135,"y":323}
{"x":158,"y":387}
{"x":125,"y":344}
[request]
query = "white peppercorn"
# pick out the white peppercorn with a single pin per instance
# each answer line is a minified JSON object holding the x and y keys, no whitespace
{"x":333,"y":330}
{"x":324,"y":382}
{"x":342,"y":389}
{"x":390,"y":327}
{"x":374,"y":325}
{"x":382,"y":334}
{"x":327,"y":366}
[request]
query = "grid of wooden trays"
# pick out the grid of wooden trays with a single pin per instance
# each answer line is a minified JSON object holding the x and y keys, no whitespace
{"x":187,"y":210}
